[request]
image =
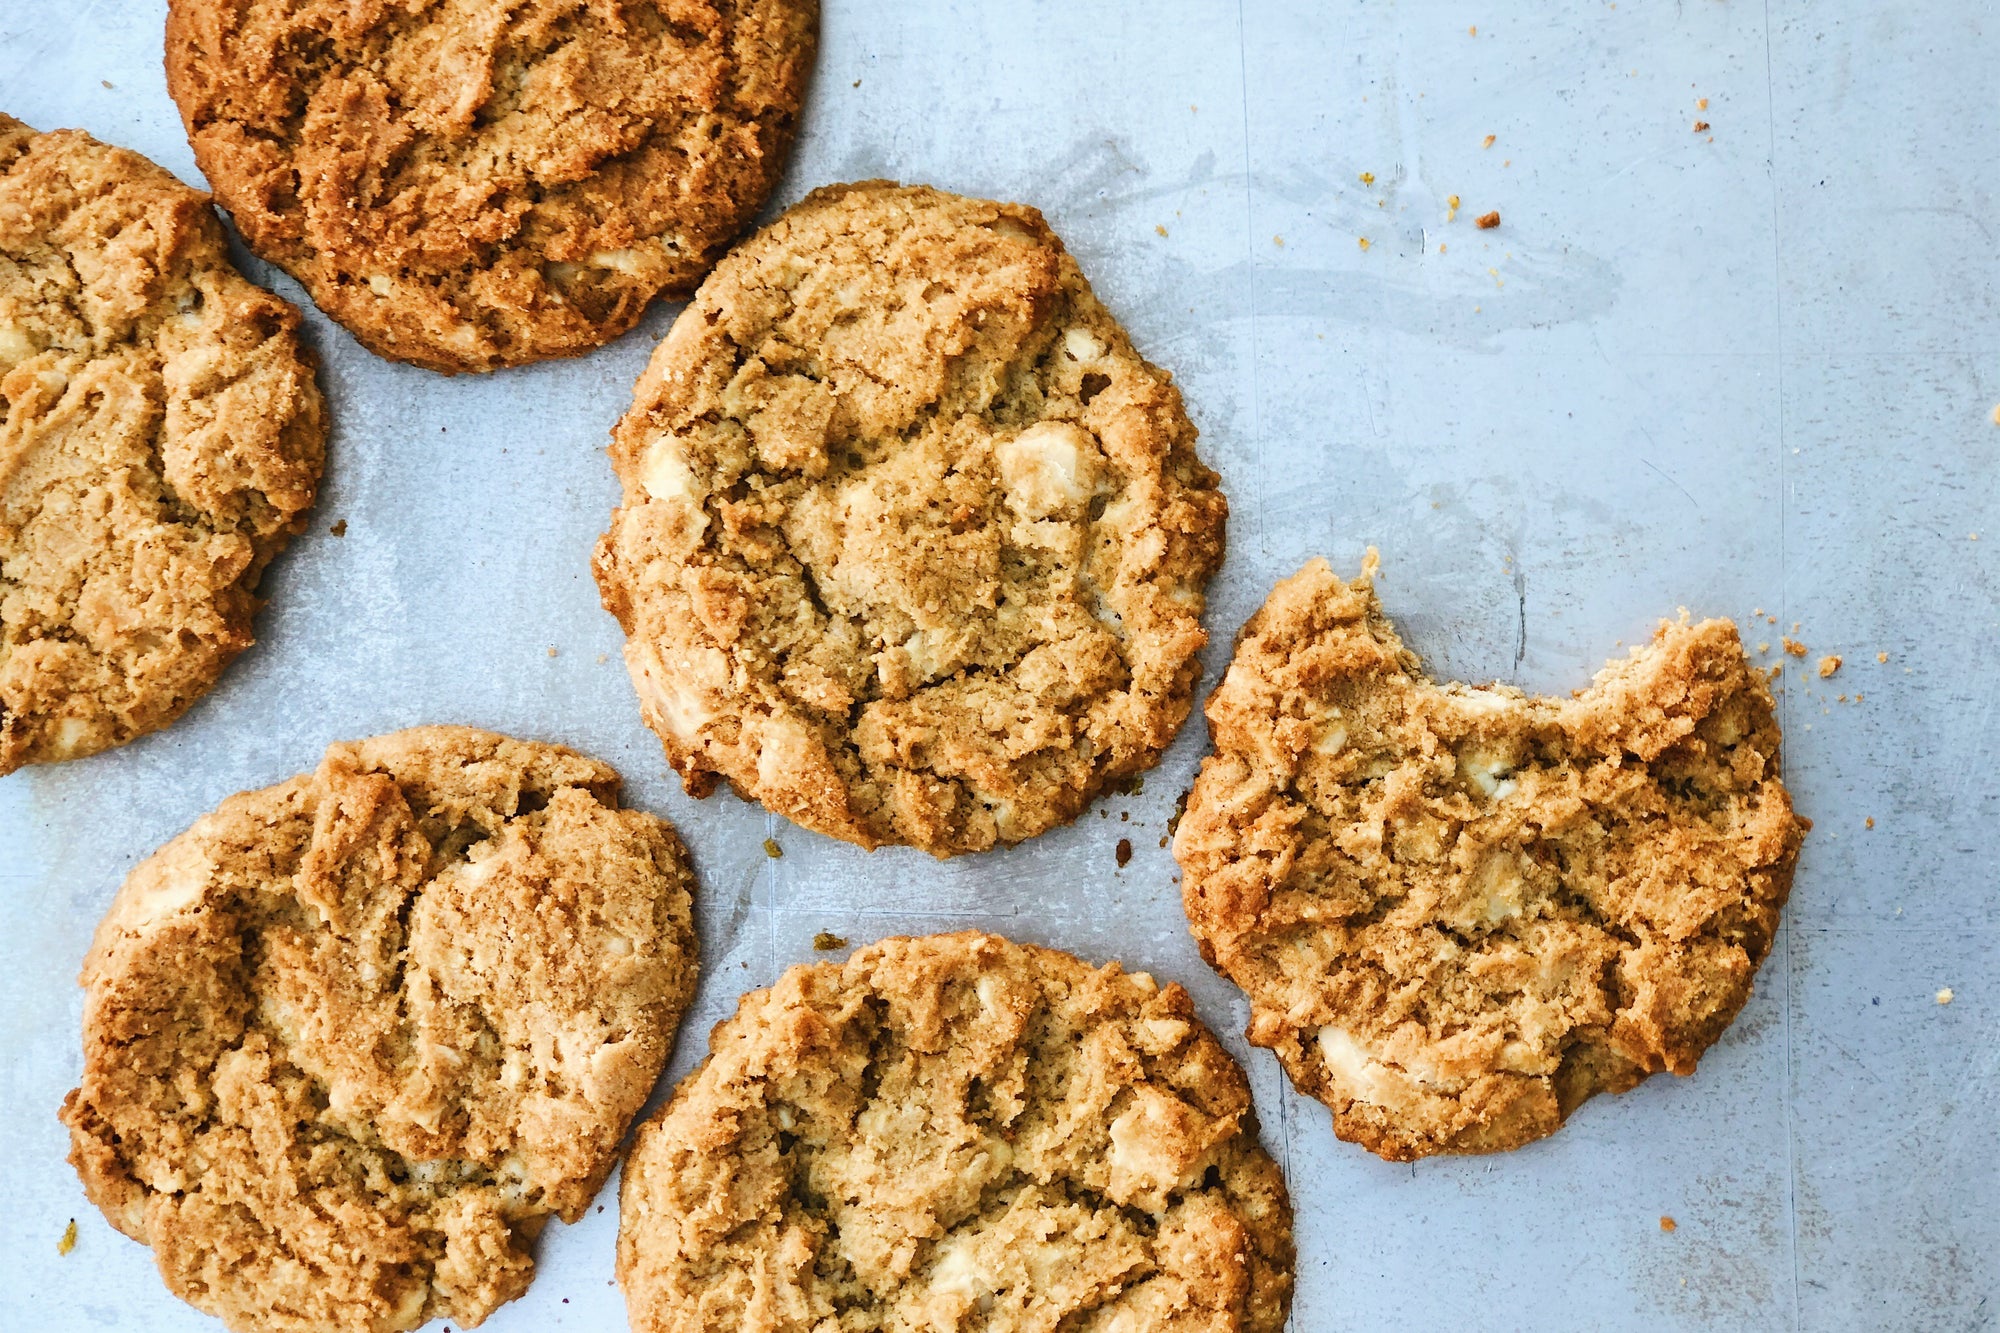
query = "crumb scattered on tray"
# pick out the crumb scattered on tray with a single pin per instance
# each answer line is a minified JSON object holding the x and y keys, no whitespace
{"x":1828,"y":665}
{"x":1701,"y":104}
{"x":1793,"y":646}
{"x":1160,"y":229}
{"x":1944,"y":996}
{"x":1764,"y":647}
{"x":1868,"y":822}
{"x":1278,"y":241}
{"x":1364,"y":241}
{"x":339,"y":529}
{"x":1489,"y":141}
{"x":1488,"y":221}
{"x":552,"y":650}
{"x":826,"y":941}
{"x":1667,"y":1223}
{"x":1701,"y":127}
{"x":1124,"y":852}
{"x":772,"y":849}
{"x":1367,"y":178}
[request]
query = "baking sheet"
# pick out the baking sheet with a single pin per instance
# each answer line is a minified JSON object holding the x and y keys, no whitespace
{"x":1744,"y":369}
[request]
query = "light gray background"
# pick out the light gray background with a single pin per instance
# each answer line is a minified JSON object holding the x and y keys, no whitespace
{"x":1746,"y":369}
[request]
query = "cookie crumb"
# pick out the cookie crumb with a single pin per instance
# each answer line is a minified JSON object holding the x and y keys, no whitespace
{"x":552,"y":650}
{"x":1868,"y":822}
{"x":602,"y":658}
{"x":1367,"y":178}
{"x":1996,"y":414}
{"x":68,"y":1241}
{"x":107,"y":83}
{"x":1488,"y":142}
{"x":1363,"y":240}
{"x":1488,"y":221}
{"x":826,"y":941}
{"x":1828,"y":665}
{"x":1278,"y":241}
{"x":1701,"y":104}
{"x":772,"y":849}
{"x":1440,"y":247}
{"x":1668,"y":1223}
{"x":1701,"y":127}
{"x":1160,"y":228}
{"x":1944,"y":996}
{"x":1451,"y":203}
{"x":1793,"y":646}
{"x":1124,"y":852}
{"x":1764,"y":647}
{"x":339,"y":529}
{"x":1472,"y":31}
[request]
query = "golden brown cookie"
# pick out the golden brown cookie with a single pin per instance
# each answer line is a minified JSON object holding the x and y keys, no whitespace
{"x":160,"y":440}
{"x":350,"y":1040}
{"x":1460,"y":912}
{"x":957,"y":1132}
{"x":913,"y":543}
{"x":472,"y":184}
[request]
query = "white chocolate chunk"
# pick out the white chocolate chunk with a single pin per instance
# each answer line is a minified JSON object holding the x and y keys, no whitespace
{"x":1048,"y":469}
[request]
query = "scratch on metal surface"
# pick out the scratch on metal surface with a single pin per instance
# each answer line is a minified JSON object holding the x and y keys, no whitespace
{"x":1521,"y":616}
{"x":1250,"y":264}
{"x":1784,"y":614}
{"x":1670,"y":480}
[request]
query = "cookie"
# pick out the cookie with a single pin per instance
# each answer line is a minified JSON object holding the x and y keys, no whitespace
{"x":957,"y":1132}
{"x":161,"y":437}
{"x":473,"y":185}
{"x":913,"y":543}
{"x":1458,"y":913}
{"x":349,"y":1041}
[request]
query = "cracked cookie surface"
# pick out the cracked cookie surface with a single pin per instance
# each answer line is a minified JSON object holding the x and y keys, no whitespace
{"x":477,"y":184}
{"x":957,"y":1132}
{"x":913,"y":543}
{"x":161,"y":437}
{"x":350,"y":1040}
{"x":1458,"y":913}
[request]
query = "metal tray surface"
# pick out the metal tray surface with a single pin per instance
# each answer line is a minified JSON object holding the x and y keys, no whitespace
{"x":1752,"y":367}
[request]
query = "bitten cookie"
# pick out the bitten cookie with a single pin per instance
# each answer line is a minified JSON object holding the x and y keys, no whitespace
{"x":350,"y":1040}
{"x":161,"y":437}
{"x":957,"y":1132}
{"x":474,"y":184}
{"x":913,"y":543}
{"x":1459,"y":912}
